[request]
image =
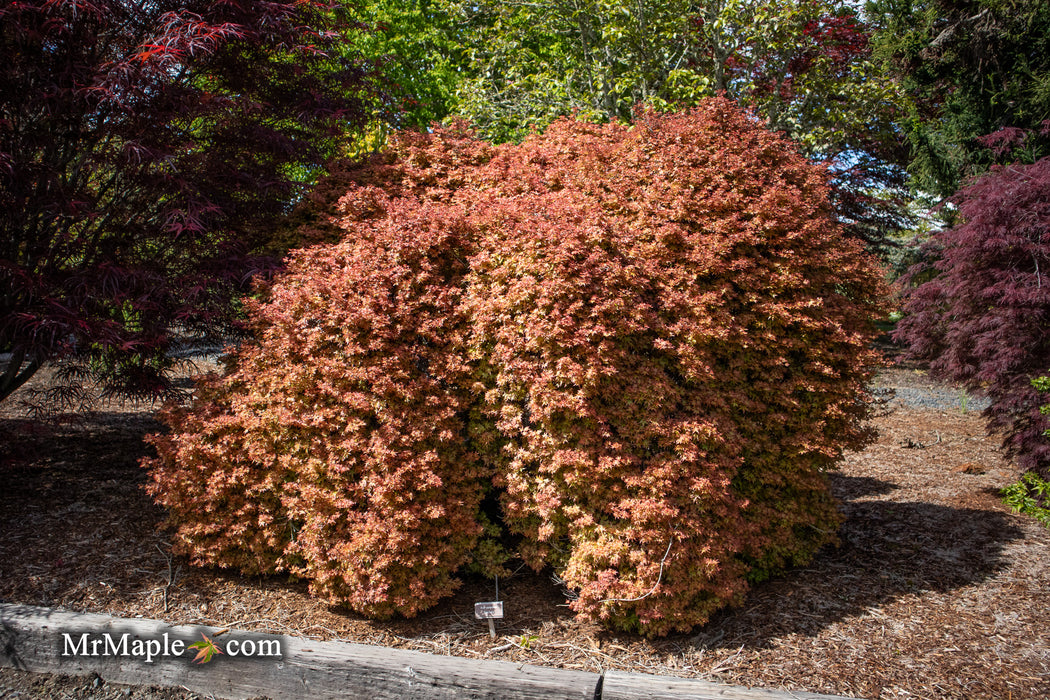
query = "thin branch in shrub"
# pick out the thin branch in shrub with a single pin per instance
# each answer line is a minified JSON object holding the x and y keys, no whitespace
{"x":651,"y":590}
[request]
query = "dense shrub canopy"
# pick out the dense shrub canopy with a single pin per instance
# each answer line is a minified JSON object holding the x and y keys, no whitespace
{"x":629,"y":354}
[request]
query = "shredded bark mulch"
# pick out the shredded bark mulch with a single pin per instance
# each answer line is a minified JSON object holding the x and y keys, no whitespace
{"x":937,"y":590}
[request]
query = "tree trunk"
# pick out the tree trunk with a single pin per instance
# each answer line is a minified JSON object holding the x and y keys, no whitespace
{"x":15,"y":374}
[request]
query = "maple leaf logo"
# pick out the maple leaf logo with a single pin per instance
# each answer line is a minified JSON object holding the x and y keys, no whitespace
{"x":205,"y":650}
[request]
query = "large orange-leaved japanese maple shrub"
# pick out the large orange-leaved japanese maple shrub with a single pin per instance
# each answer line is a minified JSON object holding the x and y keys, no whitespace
{"x":627,"y":353}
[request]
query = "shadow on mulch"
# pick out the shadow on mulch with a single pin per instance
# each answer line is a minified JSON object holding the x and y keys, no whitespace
{"x":847,"y":488}
{"x":90,"y":463}
{"x":889,"y":549}
{"x":96,"y":440}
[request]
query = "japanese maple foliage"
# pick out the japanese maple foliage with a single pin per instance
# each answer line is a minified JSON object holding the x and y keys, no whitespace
{"x":984,"y":317}
{"x":336,"y":448}
{"x":145,"y":150}
{"x":645,"y":347}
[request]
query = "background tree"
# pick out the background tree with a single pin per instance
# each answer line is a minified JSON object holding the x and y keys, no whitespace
{"x":418,"y":48}
{"x":145,"y":151}
{"x":973,"y":68}
{"x":978,"y":131}
{"x":984,"y":317}
{"x":534,"y":62}
{"x":804,"y":65}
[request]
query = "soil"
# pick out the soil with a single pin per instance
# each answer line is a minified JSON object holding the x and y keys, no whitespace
{"x":27,"y":686}
{"x":936,"y":590}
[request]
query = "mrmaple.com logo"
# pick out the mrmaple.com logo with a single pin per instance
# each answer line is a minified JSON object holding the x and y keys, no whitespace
{"x":127,"y":645}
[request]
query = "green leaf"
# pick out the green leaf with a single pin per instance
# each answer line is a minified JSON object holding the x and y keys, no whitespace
{"x":205,"y":650}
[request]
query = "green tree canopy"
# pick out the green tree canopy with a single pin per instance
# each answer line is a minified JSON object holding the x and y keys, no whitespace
{"x":419,"y":49}
{"x":803,"y":65}
{"x":974,"y":68}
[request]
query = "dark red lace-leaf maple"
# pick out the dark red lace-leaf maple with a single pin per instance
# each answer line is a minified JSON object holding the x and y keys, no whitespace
{"x":984,"y":317}
{"x":145,"y":150}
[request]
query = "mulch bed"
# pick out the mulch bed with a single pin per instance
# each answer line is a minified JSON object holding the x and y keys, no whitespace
{"x":937,"y":590}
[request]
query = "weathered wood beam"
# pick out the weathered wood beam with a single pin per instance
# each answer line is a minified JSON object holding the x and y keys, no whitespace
{"x":253,"y":665}
{"x":618,"y":685}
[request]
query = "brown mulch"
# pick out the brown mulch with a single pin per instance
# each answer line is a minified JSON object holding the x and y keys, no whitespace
{"x":29,"y":686}
{"x":937,"y":590}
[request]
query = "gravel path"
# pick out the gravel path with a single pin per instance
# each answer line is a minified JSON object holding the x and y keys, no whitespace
{"x":937,"y":400}
{"x":915,"y":389}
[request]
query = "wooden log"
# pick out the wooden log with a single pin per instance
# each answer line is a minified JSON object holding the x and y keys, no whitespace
{"x":618,"y":685}
{"x":154,"y":653}
{"x":43,"y":640}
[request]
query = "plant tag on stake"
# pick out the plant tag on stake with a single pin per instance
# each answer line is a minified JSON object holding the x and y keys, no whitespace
{"x":491,"y":612}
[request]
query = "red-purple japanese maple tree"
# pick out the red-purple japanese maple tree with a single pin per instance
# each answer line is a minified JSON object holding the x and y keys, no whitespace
{"x":984,"y":317}
{"x":145,"y":150}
